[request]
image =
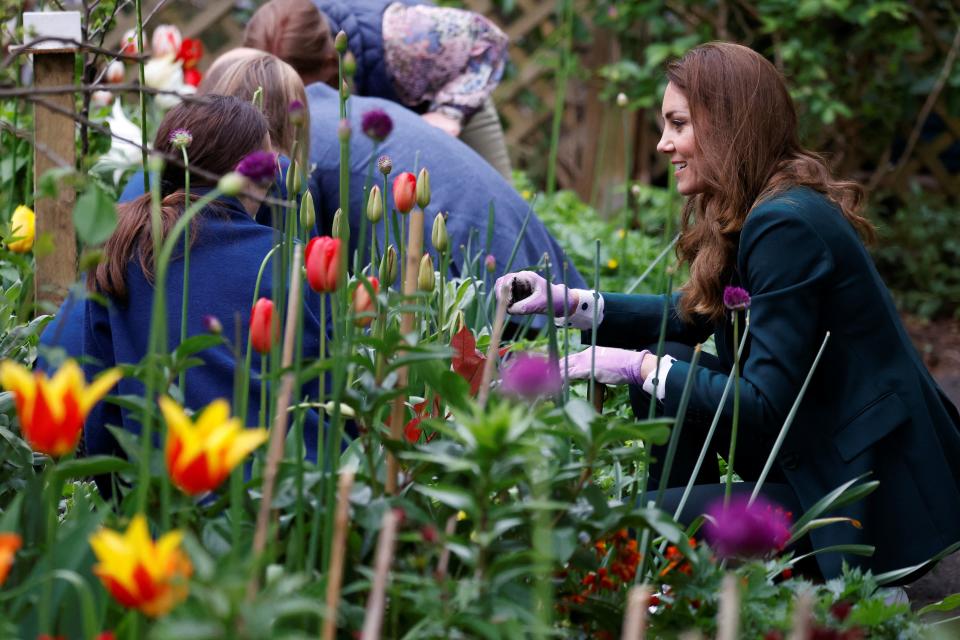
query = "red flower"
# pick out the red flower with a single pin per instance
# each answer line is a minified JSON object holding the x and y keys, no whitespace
{"x":405,"y":191}
{"x":363,"y":302}
{"x":323,"y":263}
{"x":191,"y":50}
{"x":841,"y":609}
{"x":192,"y":77}
{"x":262,"y":327}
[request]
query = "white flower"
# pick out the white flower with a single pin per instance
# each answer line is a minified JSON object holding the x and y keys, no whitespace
{"x":166,"y":74}
{"x":166,"y":41}
{"x":123,"y":154}
{"x":101,"y":98}
{"x":115,"y":72}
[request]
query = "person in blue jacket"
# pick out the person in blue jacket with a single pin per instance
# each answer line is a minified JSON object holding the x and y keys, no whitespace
{"x":441,"y":62}
{"x":767,"y":228}
{"x":226,"y":252}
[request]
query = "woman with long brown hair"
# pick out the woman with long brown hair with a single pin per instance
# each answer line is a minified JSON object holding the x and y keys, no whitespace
{"x":227,"y":248}
{"x":766,"y":225}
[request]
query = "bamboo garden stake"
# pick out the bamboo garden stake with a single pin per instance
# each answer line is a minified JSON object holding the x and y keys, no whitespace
{"x":335,"y":576}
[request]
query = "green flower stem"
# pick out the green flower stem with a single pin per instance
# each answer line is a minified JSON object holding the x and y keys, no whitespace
{"x":593,"y":325}
{"x":182,"y":383}
{"x":50,"y":536}
{"x":264,"y":366}
{"x":143,"y":102}
{"x":315,"y":524}
{"x":677,"y":428}
{"x":713,"y":427}
{"x":736,"y":411}
{"x":566,"y":335}
{"x":386,"y":227}
{"x":660,"y":256}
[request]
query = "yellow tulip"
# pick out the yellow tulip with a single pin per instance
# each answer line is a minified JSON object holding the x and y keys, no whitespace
{"x":22,"y":229}
{"x":52,"y":410}
{"x":201,"y":455}
{"x":140,"y":573}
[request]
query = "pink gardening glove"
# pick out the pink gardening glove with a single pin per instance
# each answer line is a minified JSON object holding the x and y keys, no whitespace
{"x":611,"y":366}
{"x":527,"y":293}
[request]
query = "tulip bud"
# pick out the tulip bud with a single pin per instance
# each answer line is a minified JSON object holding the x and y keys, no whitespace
{"x":388,"y":265}
{"x":262,"y":326}
{"x":385,"y":165}
{"x":22,"y":229}
{"x":343,"y":130}
{"x":322,"y":259}
{"x":363,"y":302}
{"x":349,"y":64}
{"x":211,"y":324}
{"x":404,"y":192}
{"x":374,"y":205}
{"x":340,"y":42}
{"x":297,"y":113}
{"x":101,"y":98}
{"x":439,"y":234}
{"x":232,"y":184}
{"x":337,"y":228}
{"x":128,"y":43}
{"x":622,"y":100}
{"x":166,"y":41}
{"x":308,"y":214}
{"x":345,"y":89}
{"x":423,"y":188}
{"x":490,"y":262}
{"x":115,"y":72}
{"x":426,"y":278}
{"x":294,"y":180}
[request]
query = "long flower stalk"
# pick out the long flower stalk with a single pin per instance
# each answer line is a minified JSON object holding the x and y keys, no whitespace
{"x":565,"y":8}
{"x":182,"y":383}
{"x":143,"y":101}
{"x":728,"y":483}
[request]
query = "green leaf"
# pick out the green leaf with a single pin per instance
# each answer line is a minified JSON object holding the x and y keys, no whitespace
{"x":92,"y":466}
{"x":453,"y":497}
{"x":196,"y":344}
{"x":94,"y":216}
{"x":947,"y":604}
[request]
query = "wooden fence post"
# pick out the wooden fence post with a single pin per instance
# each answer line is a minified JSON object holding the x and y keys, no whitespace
{"x":54,"y":146}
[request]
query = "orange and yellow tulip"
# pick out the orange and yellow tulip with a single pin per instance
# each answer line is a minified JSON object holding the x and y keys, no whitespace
{"x":52,"y":410}
{"x":140,"y":573}
{"x":201,"y":455}
{"x":9,"y":545}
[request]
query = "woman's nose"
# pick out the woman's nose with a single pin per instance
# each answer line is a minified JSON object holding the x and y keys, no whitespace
{"x":665,"y":145}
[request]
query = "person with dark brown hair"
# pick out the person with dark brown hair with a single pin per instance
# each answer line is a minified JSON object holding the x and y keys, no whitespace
{"x":227,"y":248}
{"x":767,"y":231}
{"x":443,"y":63}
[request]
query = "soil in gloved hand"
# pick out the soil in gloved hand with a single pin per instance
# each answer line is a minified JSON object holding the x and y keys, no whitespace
{"x":519,"y":290}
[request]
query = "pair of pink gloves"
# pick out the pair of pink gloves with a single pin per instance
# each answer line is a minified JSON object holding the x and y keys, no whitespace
{"x":526,"y":294}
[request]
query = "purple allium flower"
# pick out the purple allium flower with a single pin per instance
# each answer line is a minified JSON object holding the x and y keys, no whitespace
{"x":259,"y":167}
{"x":744,"y":530}
{"x":385,"y":165}
{"x":180,"y":138}
{"x":377,"y":125}
{"x":211,"y":324}
{"x":529,"y":376}
{"x":296,"y":112}
{"x":736,"y":299}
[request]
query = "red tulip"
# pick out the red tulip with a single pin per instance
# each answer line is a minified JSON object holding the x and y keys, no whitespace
{"x":262,"y":328}
{"x":363,"y":302}
{"x":323,"y":263}
{"x":405,"y":191}
{"x":192,"y":77}
{"x":191,"y":50}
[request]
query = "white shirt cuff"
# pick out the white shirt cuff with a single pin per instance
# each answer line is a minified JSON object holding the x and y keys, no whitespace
{"x":582,"y":317}
{"x":661,"y":374}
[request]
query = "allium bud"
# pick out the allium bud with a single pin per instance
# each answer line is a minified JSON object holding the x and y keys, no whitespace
{"x":211,"y":324}
{"x":622,"y":100}
{"x":635,"y":191}
{"x":349,"y":64}
{"x":490,"y":262}
{"x":296,"y":113}
{"x":180,"y":138}
{"x":345,"y":89}
{"x":115,"y":72}
{"x":308,"y":213}
{"x":423,"y":188}
{"x":426,"y":278}
{"x":388,"y":265}
{"x":375,"y":205}
{"x":340,"y":42}
{"x":343,"y":130}
{"x":439,"y":234}
{"x":337,"y":227}
{"x":232,"y":184}
{"x":385,"y":165}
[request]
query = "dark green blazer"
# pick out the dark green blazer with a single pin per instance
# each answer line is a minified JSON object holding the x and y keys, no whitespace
{"x":871,"y":406}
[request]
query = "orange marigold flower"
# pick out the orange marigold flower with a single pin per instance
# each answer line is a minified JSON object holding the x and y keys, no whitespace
{"x":9,"y":545}
{"x":140,"y":573}
{"x":52,"y":411}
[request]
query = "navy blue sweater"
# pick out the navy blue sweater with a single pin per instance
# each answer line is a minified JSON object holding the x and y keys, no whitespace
{"x":224,"y":261}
